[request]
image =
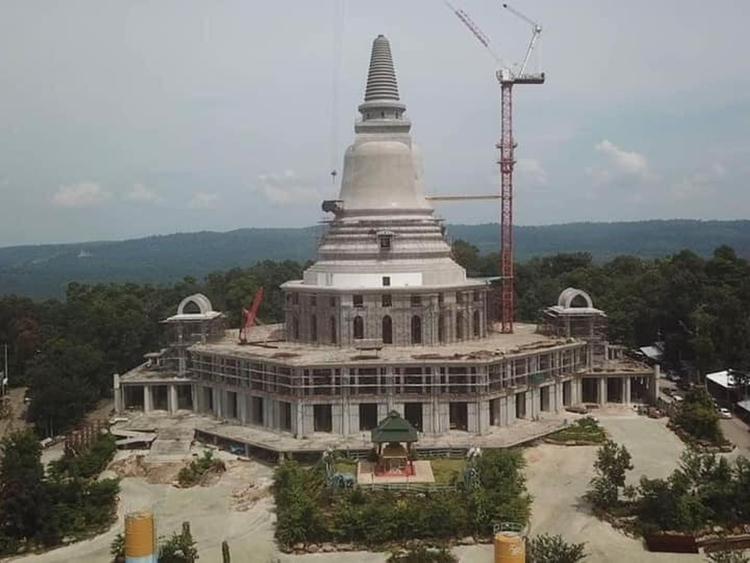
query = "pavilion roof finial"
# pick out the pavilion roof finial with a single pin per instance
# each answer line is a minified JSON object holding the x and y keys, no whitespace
{"x":381,"y":78}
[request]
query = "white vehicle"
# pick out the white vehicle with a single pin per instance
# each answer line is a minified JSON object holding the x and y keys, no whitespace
{"x":724,"y":413}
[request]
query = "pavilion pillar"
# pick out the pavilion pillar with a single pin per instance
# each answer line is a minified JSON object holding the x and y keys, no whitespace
{"x":147,"y":399}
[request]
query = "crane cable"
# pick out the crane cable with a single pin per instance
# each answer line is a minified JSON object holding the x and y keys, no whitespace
{"x":338,"y":33}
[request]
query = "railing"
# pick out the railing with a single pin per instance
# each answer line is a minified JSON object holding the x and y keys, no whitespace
{"x":407,"y":487}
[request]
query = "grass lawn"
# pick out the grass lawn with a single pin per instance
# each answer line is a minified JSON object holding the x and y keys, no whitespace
{"x":346,"y":466}
{"x":446,"y":471}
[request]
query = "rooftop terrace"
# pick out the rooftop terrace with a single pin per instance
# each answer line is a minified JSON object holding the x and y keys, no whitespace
{"x":264,"y":344}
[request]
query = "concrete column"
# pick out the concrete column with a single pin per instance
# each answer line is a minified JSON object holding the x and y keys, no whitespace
{"x":297,"y":420}
{"x":483,"y":408}
{"x":626,"y":391}
{"x":268,"y":413}
{"x":309,"y":418}
{"x":216,"y":395}
{"x":118,"y":393}
{"x":602,"y":390}
{"x":497,"y":407}
{"x":530,"y":404}
{"x":390,"y":390}
{"x":382,"y":411}
{"x":339,"y":423}
{"x":242,"y":408}
{"x":443,"y":418}
{"x":172,"y":399}
{"x":194,"y":398}
{"x":148,"y":404}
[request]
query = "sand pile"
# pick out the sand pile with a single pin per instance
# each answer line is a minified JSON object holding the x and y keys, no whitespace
{"x":154,"y":473}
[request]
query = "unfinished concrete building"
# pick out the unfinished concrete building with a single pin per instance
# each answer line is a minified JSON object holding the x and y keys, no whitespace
{"x":384,"y":320}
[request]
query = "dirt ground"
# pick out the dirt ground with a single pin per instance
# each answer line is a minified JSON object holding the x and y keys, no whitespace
{"x":239,"y":507}
{"x":231,"y":510}
{"x":738,"y":433}
{"x":557,"y":478}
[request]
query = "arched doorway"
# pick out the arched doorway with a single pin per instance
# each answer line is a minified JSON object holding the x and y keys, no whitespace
{"x":416,"y":329}
{"x":387,"y":330}
{"x":359,"y":328}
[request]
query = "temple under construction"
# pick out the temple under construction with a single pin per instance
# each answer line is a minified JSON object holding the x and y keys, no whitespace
{"x":384,"y":320}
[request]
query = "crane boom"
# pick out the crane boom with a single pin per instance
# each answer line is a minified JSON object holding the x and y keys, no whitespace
{"x":536,"y":31}
{"x":527,"y":19}
{"x":249,"y":316}
{"x":474,"y":28}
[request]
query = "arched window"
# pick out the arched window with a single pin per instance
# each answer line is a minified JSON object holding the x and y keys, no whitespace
{"x":387,"y":330}
{"x":333,"y":330}
{"x":416,"y":329}
{"x":477,"y":328}
{"x":441,"y":327}
{"x":359,"y":328}
{"x":459,"y":326}
{"x":295,"y":327}
{"x":313,"y":328}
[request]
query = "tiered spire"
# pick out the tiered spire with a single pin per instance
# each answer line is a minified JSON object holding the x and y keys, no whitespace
{"x":381,"y":79}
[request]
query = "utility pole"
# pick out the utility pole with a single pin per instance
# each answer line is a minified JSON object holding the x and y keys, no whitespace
{"x":4,"y":386}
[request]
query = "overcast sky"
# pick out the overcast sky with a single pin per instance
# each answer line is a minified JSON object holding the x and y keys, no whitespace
{"x":130,"y":118}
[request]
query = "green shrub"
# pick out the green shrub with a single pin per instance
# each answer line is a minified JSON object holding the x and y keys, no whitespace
{"x":585,"y":429}
{"x":697,"y":416}
{"x":90,"y":463}
{"x":423,"y":554}
{"x":554,"y":549}
{"x":298,"y":496}
{"x":308,"y":512}
{"x":192,"y":474}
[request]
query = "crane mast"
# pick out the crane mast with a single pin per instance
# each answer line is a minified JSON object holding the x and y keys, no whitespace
{"x":507,"y":79}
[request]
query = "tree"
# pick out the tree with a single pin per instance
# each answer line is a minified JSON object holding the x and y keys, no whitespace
{"x":117,"y":549}
{"x":24,"y":504}
{"x":64,"y":380}
{"x":612,"y":462}
{"x":467,"y":255}
{"x":179,"y":548}
{"x":554,"y":549}
{"x":697,"y":416}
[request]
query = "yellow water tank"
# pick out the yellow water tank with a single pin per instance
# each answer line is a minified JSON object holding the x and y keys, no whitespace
{"x":510,"y":547}
{"x":140,"y":538}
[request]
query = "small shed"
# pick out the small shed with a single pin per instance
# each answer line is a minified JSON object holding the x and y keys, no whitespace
{"x":393,"y":438}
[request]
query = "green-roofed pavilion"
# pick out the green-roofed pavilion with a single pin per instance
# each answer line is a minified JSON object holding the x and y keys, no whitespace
{"x":394,"y":428}
{"x":394,"y":431}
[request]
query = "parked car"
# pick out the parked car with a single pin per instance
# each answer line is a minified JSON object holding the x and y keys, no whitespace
{"x":724,"y":413}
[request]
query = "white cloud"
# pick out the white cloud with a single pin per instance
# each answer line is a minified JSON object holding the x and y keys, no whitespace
{"x":627,"y":162}
{"x":286,"y":189}
{"x":620,"y":167}
{"x":82,"y":194}
{"x":700,"y":184}
{"x":203,"y":200}
{"x":532,"y":173}
{"x":141,"y":194}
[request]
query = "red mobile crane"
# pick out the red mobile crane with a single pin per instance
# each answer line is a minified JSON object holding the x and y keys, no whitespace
{"x":249,"y":316}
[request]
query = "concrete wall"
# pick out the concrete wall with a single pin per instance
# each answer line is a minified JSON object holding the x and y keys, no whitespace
{"x":305,"y":309}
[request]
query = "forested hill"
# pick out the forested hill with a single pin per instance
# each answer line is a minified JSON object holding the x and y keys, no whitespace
{"x":44,"y":270}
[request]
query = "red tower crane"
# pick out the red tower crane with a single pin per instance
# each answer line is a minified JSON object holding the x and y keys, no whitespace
{"x":508,"y":77}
